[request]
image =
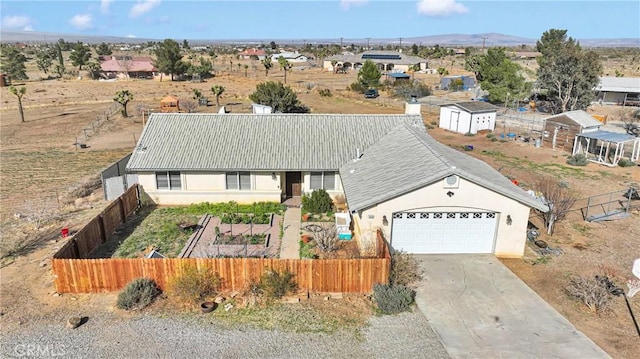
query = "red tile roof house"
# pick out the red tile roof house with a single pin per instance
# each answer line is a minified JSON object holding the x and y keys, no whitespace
{"x":253,"y":52}
{"x":127,"y":67}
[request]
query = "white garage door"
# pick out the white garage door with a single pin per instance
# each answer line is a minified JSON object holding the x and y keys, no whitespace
{"x":444,"y":232}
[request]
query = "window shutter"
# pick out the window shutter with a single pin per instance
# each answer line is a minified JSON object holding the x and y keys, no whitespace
{"x":245,"y":181}
{"x":329,"y":181}
{"x":162,"y":181}
{"x":232,"y":180}
{"x":316,"y":180}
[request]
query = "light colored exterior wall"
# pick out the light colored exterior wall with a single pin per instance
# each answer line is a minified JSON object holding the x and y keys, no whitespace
{"x":483,"y":121}
{"x":454,"y":119}
{"x":306,"y":184}
{"x":211,"y":187}
{"x":510,"y":239}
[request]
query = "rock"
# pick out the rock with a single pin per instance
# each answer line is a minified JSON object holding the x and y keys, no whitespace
{"x":228,"y":307}
{"x":219,"y":300}
{"x":74,"y":322}
{"x":233,"y":294}
{"x":43,"y":264}
{"x":73,"y":298}
{"x":56,"y":294}
{"x":290,"y":300}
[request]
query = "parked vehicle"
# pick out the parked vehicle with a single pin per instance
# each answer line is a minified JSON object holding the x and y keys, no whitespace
{"x":371,"y":93}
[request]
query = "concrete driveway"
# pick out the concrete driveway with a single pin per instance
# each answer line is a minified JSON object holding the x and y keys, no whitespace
{"x":480,"y":309}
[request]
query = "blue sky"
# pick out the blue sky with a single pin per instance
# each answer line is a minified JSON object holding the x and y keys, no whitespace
{"x":322,"y":19}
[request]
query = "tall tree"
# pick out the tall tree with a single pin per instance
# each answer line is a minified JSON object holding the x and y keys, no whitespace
{"x":103,"y":49}
{"x":19,"y":93}
{"x":501,"y":77}
{"x":217,"y":92}
{"x":566,"y":71}
{"x":13,"y":62}
{"x":281,"y":98}
{"x":80,"y":55}
{"x":60,"y":65}
{"x":284,"y":65}
{"x":123,"y":97}
{"x":246,"y":67}
{"x":169,"y":58}
{"x":268,"y":64}
{"x":93,"y":67}
{"x":44,"y":59}
{"x":185,"y":44}
{"x":369,"y":75}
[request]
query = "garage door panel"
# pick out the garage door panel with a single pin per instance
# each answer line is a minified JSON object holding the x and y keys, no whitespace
{"x":444,"y":232}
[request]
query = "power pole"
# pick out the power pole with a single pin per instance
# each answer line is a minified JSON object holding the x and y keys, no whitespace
{"x":483,"y":40}
{"x":340,"y":42}
{"x":368,"y":38}
{"x":400,"y":42}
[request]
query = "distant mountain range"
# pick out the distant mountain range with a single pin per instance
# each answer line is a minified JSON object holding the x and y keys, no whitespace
{"x":486,"y":39}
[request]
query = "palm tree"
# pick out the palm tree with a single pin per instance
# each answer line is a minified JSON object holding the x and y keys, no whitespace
{"x":19,"y":93}
{"x":217,"y":91}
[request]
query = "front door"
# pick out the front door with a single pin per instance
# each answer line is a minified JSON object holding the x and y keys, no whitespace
{"x":293,"y":182}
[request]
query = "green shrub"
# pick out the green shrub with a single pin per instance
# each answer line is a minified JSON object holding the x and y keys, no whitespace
{"x":195,"y":284}
{"x":405,"y":269}
{"x":434,"y":123}
{"x":306,"y":251}
{"x":577,"y":160}
{"x":318,"y":201}
{"x":469,"y":134}
{"x":325,"y":93}
{"x":491,"y":135}
{"x":494,"y":139}
{"x":393,"y":299}
{"x":274,"y":284}
{"x":138,"y":294}
{"x":626,"y":163}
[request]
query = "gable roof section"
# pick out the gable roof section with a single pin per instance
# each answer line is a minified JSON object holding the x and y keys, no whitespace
{"x":474,"y":106}
{"x":200,"y":142}
{"x":619,"y":84}
{"x":582,"y":118}
{"x":407,"y":159}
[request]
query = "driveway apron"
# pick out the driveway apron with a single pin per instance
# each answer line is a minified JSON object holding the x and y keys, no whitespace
{"x":480,"y":309}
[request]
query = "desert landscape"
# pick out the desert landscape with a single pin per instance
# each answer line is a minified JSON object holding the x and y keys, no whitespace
{"x":50,"y":168}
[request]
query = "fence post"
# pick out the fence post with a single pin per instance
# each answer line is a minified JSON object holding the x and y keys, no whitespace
{"x":103,"y":234}
{"x":586,"y":215}
{"x":122,"y":211}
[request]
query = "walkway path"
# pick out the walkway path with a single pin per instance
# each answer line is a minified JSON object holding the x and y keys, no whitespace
{"x":290,"y":245}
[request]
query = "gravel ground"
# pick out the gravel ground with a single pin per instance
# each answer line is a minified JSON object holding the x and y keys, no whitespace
{"x":407,"y":335}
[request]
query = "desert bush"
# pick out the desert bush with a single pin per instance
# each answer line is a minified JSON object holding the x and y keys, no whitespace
{"x":626,"y":163}
{"x":469,"y":134}
{"x":406,"y":89}
{"x":590,"y":292}
{"x":393,"y":299}
{"x":494,"y":139}
{"x":358,"y":87}
{"x":306,"y":251}
{"x":275,"y":284}
{"x":577,"y":160}
{"x":491,"y":135}
{"x":318,"y":201}
{"x":405,"y":269}
{"x":195,"y":284}
{"x":327,"y":238}
{"x":138,"y":294}
{"x":325,"y":93}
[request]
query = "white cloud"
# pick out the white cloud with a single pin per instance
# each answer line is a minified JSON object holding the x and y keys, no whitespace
{"x":17,"y":22}
{"x":104,"y":5}
{"x":440,"y":7}
{"x":131,"y":36}
{"x":142,"y":7}
{"x":81,"y":21}
{"x":347,"y":4}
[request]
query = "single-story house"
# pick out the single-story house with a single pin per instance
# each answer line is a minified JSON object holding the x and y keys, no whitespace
{"x":127,"y":66}
{"x":292,"y":57}
{"x":467,"y":82}
{"x":560,"y":130}
{"x":468,"y":117}
{"x":391,"y":61}
{"x":623,"y":91}
{"x":248,"y":54}
{"x":424,"y":196}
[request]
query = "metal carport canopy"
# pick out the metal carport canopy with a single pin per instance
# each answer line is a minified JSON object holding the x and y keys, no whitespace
{"x":608,"y":136}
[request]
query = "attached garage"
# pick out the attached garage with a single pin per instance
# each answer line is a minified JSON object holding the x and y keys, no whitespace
{"x":444,"y":232}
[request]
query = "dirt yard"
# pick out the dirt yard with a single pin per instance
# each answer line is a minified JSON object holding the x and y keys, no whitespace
{"x":41,"y":166}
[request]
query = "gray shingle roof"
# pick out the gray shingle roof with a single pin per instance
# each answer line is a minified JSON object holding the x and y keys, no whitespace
{"x":407,"y":159}
{"x":474,"y":106}
{"x":580,"y":117}
{"x":258,"y":142}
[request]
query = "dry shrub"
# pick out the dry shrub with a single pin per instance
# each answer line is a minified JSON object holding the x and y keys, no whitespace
{"x":138,"y":294}
{"x":85,"y":188}
{"x":405,"y":269}
{"x":195,"y":284}
{"x":580,"y":246}
{"x":590,"y":292}
{"x":275,"y":284}
{"x":327,"y":238}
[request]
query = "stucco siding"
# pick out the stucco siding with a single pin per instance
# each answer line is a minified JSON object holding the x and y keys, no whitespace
{"x":468,"y":197}
{"x":306,"y":184}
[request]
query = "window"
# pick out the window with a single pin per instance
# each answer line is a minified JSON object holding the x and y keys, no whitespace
{"x":238,"y":181}
{"x":323,"y":180}
{"x":168,"y":180}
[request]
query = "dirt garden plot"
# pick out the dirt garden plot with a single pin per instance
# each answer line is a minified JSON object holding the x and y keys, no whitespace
{"x":39,"y":158}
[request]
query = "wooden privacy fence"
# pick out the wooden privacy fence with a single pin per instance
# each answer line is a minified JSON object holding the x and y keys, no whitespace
{"x":319,"y":275}
{"x":98,"y":230}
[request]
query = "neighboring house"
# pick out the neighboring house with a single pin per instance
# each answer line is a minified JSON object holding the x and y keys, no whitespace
{"x":467,"y":82}
{"x":426,"y":197}
{"x":387,"y":61}
{"x":560,"y":130}
{"x":468,"y":117}
{"x":248,"y":54}
{"x":169,"y":104}
{"x":127,"y":66}
{"x":623,"y":91}
{"x":292,"y":57}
